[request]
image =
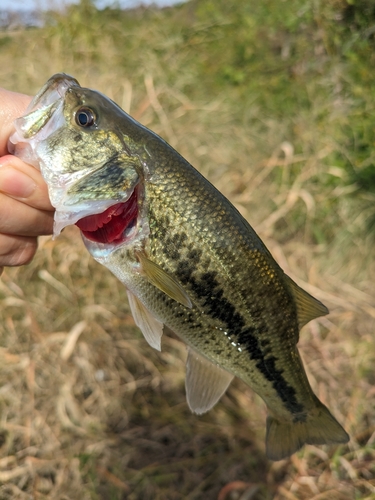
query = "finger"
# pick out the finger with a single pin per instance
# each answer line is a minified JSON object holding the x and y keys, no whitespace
{"x":24,"y":183}
{"x":16,"y":218}
{"x":12,"y":105}
{"x":16,"y":250}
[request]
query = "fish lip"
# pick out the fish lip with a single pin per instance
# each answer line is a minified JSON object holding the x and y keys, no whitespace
{"x":41,"y":110}
{"x":55,"y":88}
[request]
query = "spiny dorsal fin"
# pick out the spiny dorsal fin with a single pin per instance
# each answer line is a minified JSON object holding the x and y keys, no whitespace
{"x":205,"y":382}
{"x":308,"y":307}
{"x":151,"y":328}
{"x":159,"y":278}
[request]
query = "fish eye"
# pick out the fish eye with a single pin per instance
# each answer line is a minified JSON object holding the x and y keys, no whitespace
{"x":85,"y":117}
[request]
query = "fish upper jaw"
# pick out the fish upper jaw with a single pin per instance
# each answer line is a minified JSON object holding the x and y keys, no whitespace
{"x":39,"y":119}
{"x":53,"y":90}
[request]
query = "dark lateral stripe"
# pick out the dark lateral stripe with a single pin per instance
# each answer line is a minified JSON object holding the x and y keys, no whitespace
{"x":267,"y":366}
{"x":208,"y":289}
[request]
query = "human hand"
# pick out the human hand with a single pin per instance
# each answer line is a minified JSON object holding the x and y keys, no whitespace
{"x":25,"y":209}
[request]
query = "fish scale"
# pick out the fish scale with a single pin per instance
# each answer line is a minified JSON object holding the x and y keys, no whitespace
{"x":236,"y":321}
{"x":190,"y":262}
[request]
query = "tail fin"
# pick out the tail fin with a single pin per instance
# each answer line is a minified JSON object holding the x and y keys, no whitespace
{"x":285,"y":438}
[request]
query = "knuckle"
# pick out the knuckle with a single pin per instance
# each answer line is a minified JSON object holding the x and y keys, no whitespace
{"x":25,"y":255}
{"x":5,"y":215}
{"x":17,"y":218}
{"x":16,"y":251}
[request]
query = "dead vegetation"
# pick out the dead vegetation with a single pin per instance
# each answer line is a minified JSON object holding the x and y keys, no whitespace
{"x":88,"y":409}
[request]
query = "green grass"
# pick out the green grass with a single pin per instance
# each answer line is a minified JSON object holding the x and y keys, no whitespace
{"x":273,"y":102}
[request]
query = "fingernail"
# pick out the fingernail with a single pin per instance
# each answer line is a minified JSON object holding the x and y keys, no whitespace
{"x":16,"y":183}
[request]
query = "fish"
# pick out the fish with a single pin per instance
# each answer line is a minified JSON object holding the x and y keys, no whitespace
{"x":188,"y":259}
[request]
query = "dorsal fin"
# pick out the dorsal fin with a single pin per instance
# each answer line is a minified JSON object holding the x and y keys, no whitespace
{"x":308,"y":307}
{"x":159,"y":278}
{"x":151,"y":328}
{"x":205,"y":382}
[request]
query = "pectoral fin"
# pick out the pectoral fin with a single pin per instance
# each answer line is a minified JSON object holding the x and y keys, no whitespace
{"x":151,"y":328}
{"x":308,"y":307}
{"x":205,"y":382}
{"x":159,"y":278}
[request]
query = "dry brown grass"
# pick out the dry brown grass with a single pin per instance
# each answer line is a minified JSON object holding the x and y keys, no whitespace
{"x":89,"y":410}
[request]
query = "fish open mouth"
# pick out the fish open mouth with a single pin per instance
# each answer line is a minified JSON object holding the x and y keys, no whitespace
{"x":114,"y":225}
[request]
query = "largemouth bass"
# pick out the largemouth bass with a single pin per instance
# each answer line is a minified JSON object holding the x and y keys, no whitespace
{"x":189,"y":261}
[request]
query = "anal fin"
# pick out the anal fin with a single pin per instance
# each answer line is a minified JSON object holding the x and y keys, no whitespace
{"x":205,"y":382}
{"x":151,"y":328}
